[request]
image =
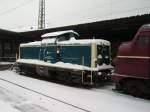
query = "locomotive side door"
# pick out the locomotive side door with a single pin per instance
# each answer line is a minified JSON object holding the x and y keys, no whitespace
{"x":41,"y":54}
{"x":49,"y":54}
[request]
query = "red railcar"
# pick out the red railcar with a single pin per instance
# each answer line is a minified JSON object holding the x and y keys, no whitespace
{"x":132,"y":64}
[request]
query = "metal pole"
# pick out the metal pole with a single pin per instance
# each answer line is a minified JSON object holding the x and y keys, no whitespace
{"x":41,"y":16}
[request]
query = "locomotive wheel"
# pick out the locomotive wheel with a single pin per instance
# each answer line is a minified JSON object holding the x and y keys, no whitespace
{"x":133,"y":87}
{"x":118,"y":86}
{"x":68,"y":78}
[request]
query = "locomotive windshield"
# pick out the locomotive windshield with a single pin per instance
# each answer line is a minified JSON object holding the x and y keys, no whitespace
{"x":103,"y":55}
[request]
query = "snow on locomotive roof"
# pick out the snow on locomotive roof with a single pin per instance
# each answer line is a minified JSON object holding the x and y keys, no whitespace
{"x":73,"y":41}
{"x":54,"y":34}
{"x":36,"y":43}
{"x":146,"y":26}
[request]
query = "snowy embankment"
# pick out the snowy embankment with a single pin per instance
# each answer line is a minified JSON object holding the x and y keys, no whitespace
{"x":6,"y":63}
{"x":94,"y":100}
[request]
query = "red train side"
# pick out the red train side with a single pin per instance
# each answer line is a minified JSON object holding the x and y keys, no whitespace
{"x":132,"y":64}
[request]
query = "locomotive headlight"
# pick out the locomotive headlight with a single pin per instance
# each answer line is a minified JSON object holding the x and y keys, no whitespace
{"x":106,"y":57}
{"x":100,"y":56}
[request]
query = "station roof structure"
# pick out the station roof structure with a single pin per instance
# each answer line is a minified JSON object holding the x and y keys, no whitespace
{"x":4,"y":33}
{"x":108,"y":29}
{"x":115,"y":31}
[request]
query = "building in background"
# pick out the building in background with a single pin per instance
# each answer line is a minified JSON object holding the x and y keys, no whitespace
{"x":9,"y":44}
{"x":116,"y":31}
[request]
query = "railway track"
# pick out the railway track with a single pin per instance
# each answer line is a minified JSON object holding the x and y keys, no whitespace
{"x":47,"y":96}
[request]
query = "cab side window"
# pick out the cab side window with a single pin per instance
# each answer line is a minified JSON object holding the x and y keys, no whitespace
{"x":63,"y":37}
{"x":143,"y":41}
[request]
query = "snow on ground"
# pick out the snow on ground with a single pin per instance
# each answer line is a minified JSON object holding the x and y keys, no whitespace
{"x":17,"y":99}
{"x":6,"y":107}
{"x":6,"y":63}
{"x":12,"y":102}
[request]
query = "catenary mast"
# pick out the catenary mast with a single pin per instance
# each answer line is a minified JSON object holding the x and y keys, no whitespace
{"x":41,"y":16}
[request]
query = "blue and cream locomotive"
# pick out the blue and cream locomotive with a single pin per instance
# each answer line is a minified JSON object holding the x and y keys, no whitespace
{"x":60,"y":55}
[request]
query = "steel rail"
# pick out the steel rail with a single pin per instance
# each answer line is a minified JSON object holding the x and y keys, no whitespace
{"x":50,"y":97}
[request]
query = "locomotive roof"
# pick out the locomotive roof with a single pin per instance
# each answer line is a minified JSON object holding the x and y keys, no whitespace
{"x":146,"y":26}
{"x":55,"y":34}
{"x":29,"y":44}
{"x":84,"y":42}
{"x":72,"y":41}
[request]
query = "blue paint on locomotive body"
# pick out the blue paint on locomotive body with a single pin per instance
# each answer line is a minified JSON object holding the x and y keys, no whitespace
{"x":48,"y":54}
{"x":80,"y":55}
{"x":60,"y":48}
{"x":68,"y":54}
{"x":29,"y":52}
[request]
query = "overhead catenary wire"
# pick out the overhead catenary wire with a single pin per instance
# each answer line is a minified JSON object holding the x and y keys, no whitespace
{"x":85,"y":12}
{"x":16,"y":7}
{"x":29,"y":1}
{"x":113,"y":13}
{"x":110,"y":11}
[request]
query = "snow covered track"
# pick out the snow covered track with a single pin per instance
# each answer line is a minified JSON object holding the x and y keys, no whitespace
{"x":85,"y":110}
{"x":101,"y":99}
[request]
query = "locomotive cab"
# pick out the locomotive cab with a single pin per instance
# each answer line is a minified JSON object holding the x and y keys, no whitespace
{"x":60,"y":36}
